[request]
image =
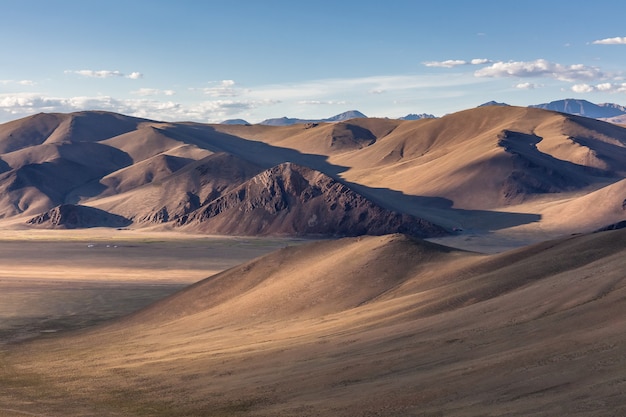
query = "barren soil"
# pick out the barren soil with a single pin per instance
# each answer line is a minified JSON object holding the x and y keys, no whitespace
{"x":370,"y":326}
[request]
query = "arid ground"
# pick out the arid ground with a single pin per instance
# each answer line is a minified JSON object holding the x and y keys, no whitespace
{"x":368,"y":326}
{"x":440,"y":267}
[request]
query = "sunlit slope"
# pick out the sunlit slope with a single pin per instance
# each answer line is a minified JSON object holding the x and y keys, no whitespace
{"x":451,"y":171}
{"x":364,"y":326}
{"x":492,"y":156}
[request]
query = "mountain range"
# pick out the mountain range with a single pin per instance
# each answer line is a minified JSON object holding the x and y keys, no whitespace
{"x":406,"y":302}
{"x":610,"y":112}
{"x":604,"y":111}
{"x":429,"y":177}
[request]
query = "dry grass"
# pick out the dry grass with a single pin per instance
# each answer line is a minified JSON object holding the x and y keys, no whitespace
{"x":358,"y":327}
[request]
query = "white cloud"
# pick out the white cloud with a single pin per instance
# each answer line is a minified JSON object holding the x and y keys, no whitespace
{"x":528,"y":86}
{"x":144,"y":92}
{"x":322,"y":102}
{"x":540,"y":68}
{"x":329,"y":89}
{"x":104,"y":74}
{"x":19,"y":105}
{"x":602,"y":87}
{"x":259,"y":102}
{"x":611,"y":41}
{"x":225,"y":88}
{"x":582,"y":88}
{"x":451,"y":63}
{"x":20,"y":82}
{"x":95,"y":74}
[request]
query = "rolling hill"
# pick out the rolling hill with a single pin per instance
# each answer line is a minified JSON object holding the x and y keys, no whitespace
{"x":503,"y":163}
{"x":363,"y":326}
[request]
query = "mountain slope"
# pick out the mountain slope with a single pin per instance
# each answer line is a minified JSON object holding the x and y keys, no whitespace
{"x":364,"y":326}
{"x":286,"y":121}
{"x":294,"y":200}
{"x":171,"y":197}
{"x":492,"y":156}
{"x":69,"y":216}
{"x":584,"y":108}
{"x":462,"y":170}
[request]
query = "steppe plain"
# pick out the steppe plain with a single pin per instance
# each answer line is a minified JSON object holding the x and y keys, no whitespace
{"x":220,"y":298}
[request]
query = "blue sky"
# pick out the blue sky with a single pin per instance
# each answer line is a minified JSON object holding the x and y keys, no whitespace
{"x":213,"y":60}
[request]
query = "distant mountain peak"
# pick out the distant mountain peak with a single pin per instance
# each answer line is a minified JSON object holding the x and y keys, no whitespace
{"x":350,"y":114}
{"x":493,"y":103}
{"x":235,"y":122}
{"x":341,"y":117}
{"x":584,"y":108}
{"x":414,"y":116}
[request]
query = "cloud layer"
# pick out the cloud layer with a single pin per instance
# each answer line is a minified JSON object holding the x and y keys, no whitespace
{"x":104,"y":74}
{"x":19,"y":105}
{"x":611,"y":41}
{"x":451,"y":63}
{"x":540,"y":68}
{"x":601,"y":88}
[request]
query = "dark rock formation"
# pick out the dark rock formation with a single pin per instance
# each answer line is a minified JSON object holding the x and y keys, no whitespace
{"x":70,"y":216}
{"x":294,"y":200}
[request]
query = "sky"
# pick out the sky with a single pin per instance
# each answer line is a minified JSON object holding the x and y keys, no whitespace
{"x":211,"y":60}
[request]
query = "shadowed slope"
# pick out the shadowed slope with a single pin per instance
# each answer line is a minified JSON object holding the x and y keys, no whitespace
{"x":492,"y":156}
{"x":172,"y":197}
{"x":364,"y":326}
{"x":293,"y":200}
{"x":42,"y":128}
{"x":487,"y":168}
{"x":29,"y":131}
{"x":70,"y":216}
{"x":44,"y":175}
{"x":344,"y":274}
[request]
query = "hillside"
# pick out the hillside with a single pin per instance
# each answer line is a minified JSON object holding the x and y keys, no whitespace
{"x":298,"y":201}
{"x":363,"y":326}
{"x":584,"y":108}
{"x":487,"y":169}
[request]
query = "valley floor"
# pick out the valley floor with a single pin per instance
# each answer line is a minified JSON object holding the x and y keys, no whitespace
{"x":371,"y":326}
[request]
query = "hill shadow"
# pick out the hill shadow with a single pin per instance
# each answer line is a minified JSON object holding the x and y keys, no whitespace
{"x":434,"y":209}
{"x":4,"y":166}
{"x":547,"y":171}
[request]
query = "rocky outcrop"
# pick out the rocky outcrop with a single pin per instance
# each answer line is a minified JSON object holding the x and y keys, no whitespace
{"x":70,"y":216}
{"x":294,"y":200}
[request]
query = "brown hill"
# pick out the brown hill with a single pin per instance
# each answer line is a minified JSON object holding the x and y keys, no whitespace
{"x":484,"y":169}
{"x":70,"y":216}
{"x":90,"y":126}
{"x":293,"y":200}
{"x":171,"y":197}
{"x":492,"y":156}
{"x":363,"y":326}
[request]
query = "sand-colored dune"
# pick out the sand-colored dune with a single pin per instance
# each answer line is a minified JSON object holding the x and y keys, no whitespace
{"x":358,"y":327}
